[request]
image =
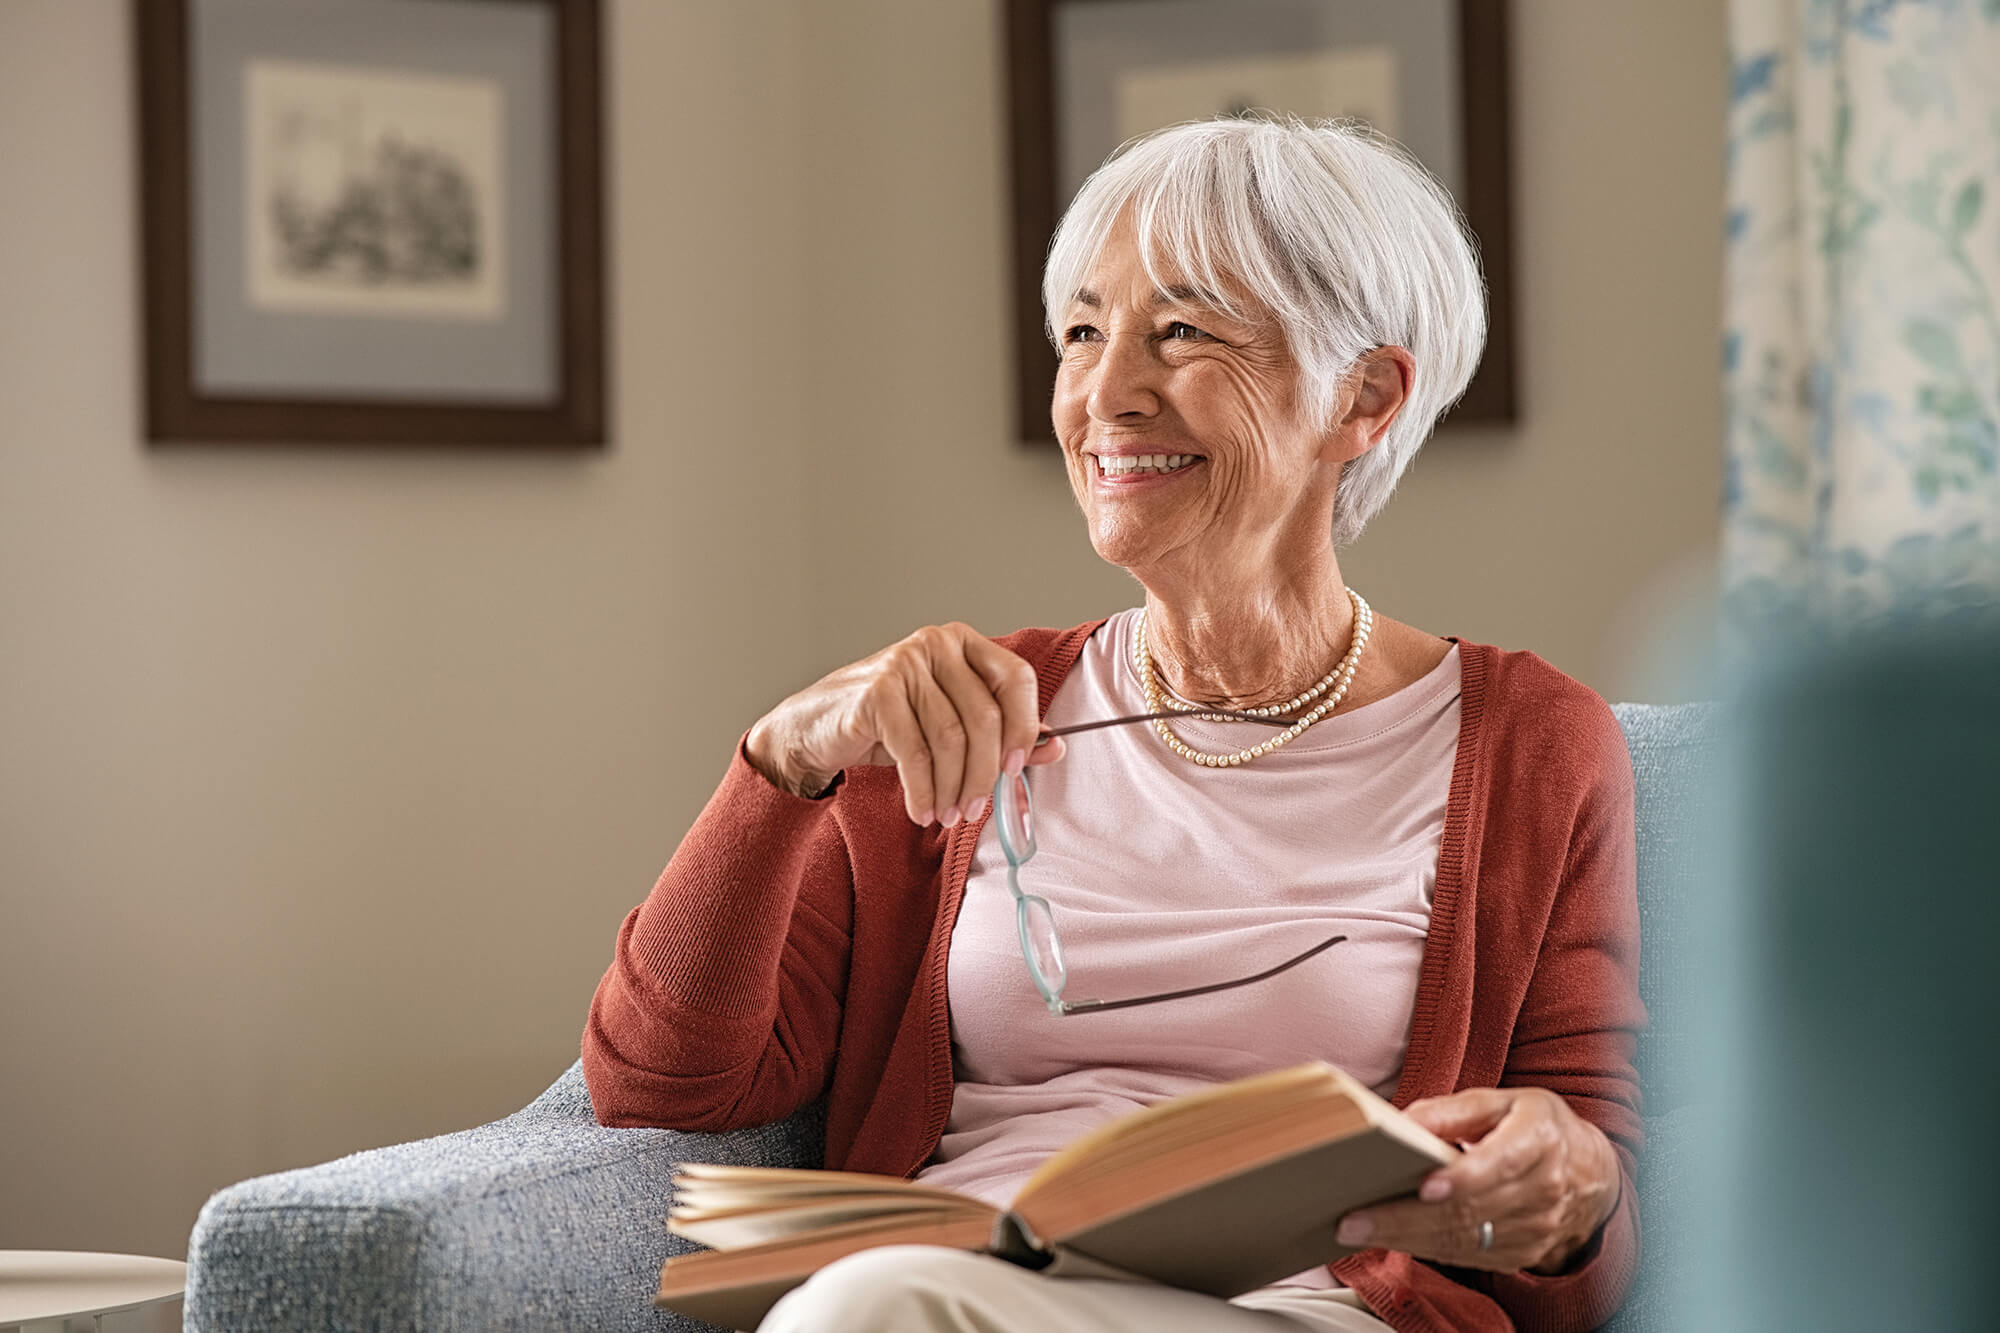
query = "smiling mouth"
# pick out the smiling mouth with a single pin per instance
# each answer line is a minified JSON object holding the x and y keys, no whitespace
{"x":1128,"y":465}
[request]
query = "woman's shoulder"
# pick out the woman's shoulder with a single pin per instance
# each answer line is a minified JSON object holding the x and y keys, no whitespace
{"x":1533,"y":711}
{"x":1045,"y":648}
{"x":1520,"y":678}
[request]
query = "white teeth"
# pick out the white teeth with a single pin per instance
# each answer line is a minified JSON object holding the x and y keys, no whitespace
{"x":1110,"y":466}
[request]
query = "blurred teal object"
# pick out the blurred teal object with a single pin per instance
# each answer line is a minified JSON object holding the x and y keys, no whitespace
{"x":1851,"y":1178}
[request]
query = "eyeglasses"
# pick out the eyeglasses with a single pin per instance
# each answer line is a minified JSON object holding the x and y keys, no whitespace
{"x":1014,"y":811}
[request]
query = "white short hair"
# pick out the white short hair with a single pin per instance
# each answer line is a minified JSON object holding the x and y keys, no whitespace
{"x":1330,"y":226}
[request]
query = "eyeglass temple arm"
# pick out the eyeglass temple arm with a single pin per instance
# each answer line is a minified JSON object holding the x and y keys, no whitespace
{"x":1232,"y":715}
{"x":1099,"y":1006}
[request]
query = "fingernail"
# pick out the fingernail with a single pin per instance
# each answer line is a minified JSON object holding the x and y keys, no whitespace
{"x":924,"y":819}
{"x":1354,"y":1230}
{"x":1436,"y":1190}
{"x":1016,"y":761}
{"x":950,"y":817}
{"x":978,"y":809}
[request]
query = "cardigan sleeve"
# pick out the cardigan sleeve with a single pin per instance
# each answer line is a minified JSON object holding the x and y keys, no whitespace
{"x":722,"y":1005}
{"x":1577,"y":1030}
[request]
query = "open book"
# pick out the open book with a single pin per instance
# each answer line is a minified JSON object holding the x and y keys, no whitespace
{"x":1221,"y":1191}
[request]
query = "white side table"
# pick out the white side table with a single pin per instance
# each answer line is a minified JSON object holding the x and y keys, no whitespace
{"x":67,"y":1291}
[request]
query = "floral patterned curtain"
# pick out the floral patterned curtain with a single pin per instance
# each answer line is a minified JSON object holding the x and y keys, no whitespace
{"x":1862,"y":353}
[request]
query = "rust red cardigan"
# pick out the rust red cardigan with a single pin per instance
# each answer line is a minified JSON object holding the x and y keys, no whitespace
{"x":795,"y":949}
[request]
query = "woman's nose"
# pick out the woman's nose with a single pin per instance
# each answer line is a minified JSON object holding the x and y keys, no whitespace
{"x":1125,"y":380}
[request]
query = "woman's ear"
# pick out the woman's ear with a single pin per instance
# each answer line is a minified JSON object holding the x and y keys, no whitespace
{"x":1377,"y":387}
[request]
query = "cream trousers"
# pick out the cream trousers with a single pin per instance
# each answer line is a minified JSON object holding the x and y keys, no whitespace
{"x":929,"y":1289}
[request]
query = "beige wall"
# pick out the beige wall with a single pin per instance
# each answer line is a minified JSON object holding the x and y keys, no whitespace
{"x":325,"y":777}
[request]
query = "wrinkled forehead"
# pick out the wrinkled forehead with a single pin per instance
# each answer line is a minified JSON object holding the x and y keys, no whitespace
{"x":1100,"y":291}
{"x":1155,"y":268}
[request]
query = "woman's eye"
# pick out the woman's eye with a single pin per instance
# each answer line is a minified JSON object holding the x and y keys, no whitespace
{"x":1077,"y":333}
{"x":1184,"y":332}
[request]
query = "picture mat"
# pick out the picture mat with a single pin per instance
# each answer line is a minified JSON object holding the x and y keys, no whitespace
{"x":241,"y":350}
{"x":1100,"y":43}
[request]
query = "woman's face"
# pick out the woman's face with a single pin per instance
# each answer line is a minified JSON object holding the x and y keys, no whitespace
{"x":1150,"y":371}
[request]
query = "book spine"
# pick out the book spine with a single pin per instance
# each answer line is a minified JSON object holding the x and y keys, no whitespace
{"x":1016,"y":1242}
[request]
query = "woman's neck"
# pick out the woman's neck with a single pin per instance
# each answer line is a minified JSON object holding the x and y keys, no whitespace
{"x":1247,"y":648}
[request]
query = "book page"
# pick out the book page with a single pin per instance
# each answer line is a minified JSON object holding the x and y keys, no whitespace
{"x":787,"y":1182}
{"x":732,"y":1207}
{"x":758,"y":1226}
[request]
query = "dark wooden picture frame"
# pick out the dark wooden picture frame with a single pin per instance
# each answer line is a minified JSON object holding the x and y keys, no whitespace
{"x":1492,"y":395}
{"x":179,"y":411}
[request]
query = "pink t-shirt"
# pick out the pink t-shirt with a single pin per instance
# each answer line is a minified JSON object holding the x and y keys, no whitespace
{"x":1163,"y":874}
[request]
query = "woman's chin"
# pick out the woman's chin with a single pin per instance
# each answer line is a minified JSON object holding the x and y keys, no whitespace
{"x":1120,"y":544}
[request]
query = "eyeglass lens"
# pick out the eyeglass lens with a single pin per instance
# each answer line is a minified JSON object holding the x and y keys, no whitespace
{"x":1039,"y":942}
{"x":1017,"y":816}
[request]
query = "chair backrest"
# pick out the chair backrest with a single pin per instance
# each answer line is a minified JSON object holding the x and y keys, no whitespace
{"x":1673,"y":765}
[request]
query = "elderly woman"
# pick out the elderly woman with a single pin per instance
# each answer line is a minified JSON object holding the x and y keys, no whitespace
{"x":1259,"y":323}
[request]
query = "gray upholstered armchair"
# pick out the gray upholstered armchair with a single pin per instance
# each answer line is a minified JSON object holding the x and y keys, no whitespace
{"x":544,"y":1220}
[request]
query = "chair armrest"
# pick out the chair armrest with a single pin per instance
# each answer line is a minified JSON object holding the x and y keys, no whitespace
{"x":541,"y":1220}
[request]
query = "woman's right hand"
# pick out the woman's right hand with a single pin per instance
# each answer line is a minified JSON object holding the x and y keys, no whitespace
{"x":950,"y":708}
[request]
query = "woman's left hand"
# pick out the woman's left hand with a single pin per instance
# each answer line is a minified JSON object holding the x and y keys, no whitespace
{"x":1542,"y":1175}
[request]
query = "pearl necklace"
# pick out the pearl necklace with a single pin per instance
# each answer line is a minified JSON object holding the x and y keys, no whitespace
{"x":1159,"y":700}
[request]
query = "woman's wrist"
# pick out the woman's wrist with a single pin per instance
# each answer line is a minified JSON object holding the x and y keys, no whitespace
{"x":768,"y":754}
{"x":1574,"y":1256}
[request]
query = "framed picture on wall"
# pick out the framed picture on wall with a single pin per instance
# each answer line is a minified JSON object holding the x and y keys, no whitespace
{"x":1086,"y":75}
{"x":372,"y":221}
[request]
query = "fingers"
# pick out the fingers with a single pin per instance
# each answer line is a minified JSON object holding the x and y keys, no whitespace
{"x":970,"y":762}
{"x":1450,"y":1232}
{"x":1465,"y":1116}
{"x":945,"y":738}
{"x":953,"y":710}
{"x":1014,"y":687}
{"x":1531,"y":1174}
{"x":947,"y":706}
{"x":901,"y":733}
{"x":1526,"y":1136}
